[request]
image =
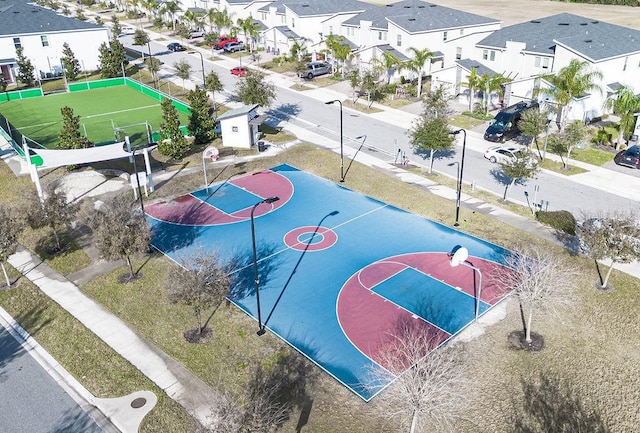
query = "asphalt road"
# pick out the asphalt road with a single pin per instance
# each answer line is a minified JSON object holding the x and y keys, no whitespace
{"x":549,"y":190}
{"x":30,"y":399}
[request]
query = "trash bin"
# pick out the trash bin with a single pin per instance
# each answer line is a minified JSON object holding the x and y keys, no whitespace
{"x":261,"y":146}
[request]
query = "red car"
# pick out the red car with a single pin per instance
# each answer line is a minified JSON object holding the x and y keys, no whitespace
{"x":239,"y":71}
{"x":224,"y":40}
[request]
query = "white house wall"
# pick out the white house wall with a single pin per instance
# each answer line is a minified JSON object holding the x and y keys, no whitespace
{"x":84,"y":45}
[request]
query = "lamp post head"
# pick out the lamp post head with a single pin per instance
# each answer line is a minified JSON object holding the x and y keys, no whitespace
{"x":271,"y":199}
{"x":333,"y":102}
{"x":456,"y":132}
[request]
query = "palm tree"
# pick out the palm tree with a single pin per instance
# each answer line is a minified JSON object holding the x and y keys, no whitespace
{"x":489,"y":84}
{"x":388,"y":63}
{"x":339,"y":48}
{"x":624,"y":104}
{"x":223,"y":20}
{"x":250,"y":30}
{"x":171,"y":7}
{"x":298,"y":48}
{"x":193,"y":19}
{"x":472,"y":83}
{"x":416,"y":64}
{"x":150,"y":6}
{"x":573,"y":80}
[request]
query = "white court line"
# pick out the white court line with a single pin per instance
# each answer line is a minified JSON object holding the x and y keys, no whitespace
{"x":121,"y":111}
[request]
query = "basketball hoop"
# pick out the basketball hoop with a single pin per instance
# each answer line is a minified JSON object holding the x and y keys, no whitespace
{"x":211,"y":152}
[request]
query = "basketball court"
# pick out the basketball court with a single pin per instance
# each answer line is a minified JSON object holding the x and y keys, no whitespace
{"x":339,"y":272}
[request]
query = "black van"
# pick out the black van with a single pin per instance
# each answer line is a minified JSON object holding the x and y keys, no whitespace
{"x":505,"y":125}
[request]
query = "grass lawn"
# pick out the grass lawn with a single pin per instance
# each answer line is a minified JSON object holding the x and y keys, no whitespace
{"x":497,"y":374}
{"x":593,"y":156}
{"x":587,"y":368}
{"x":99,"y":110}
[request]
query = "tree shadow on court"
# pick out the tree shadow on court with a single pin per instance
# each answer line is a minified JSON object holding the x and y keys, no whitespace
{"x":447,"y":319}
{"x":549,"y":403}
{"x":241,"y":264}
{"x":171,"y":237}
{"x":310,"y":241}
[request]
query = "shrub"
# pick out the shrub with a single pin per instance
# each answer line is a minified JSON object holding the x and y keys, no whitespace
{"x":562,"y":220}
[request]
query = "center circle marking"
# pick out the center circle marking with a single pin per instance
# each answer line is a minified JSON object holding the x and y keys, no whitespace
{"x":310,"y":238}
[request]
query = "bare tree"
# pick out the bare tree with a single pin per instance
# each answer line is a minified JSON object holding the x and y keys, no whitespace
{"x":52,"y":211}
{"x":10,"y":227}
{"x":274,"y":391}
{"x":543,"y":282}
{"x":201,"y":283}
{"x":614,"y":236}
{"x":428,"y":389}
{"x":119,"y":231}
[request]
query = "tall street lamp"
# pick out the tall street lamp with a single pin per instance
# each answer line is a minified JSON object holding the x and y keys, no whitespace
{"x":459,"y":190}
{"x":459,"y":257}
{"x":341,"y":139}
{"x":135,"y":171}
{"x":261,"y":330}
{"x":201,"y":62}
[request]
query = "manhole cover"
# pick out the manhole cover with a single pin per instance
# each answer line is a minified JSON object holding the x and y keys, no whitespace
{"x":138,"y":402}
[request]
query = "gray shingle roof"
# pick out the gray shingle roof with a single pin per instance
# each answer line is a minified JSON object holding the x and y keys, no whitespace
{"x":17,"y":17}
{"x":278,"y":4}
{"x":416,"y":16}
{"x":481,"y":69}
{"x":388,"y":48}
{"x":594,"y":39}
{"x":325,"y":7}
{"x":240,"y":111}
{"x":286,"y":31}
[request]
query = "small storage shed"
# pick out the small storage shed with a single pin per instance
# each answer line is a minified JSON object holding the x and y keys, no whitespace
{"x":239,"y":127}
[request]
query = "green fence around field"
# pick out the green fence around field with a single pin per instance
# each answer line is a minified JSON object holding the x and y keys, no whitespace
{"x":135,"y":85}
{"x":158,"y":96}
{"x":97,"y":84}
{"x":21,"y":94}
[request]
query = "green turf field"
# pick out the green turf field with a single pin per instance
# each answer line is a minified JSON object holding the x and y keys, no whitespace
{"x":40,"y":118}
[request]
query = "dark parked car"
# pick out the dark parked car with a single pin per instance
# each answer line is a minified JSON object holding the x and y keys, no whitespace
{"x":175,"y":47}
{"x":504,"y":126}
{"x":232,"y":47}
{"x":629,"y":157}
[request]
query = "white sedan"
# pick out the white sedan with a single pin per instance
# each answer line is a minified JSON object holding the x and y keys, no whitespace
{"x":507,"y":154}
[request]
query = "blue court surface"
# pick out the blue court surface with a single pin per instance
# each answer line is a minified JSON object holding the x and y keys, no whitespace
{"x":337,"y":270}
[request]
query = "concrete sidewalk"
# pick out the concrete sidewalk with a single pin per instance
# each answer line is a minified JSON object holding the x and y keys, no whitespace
{"x":169,"y":375}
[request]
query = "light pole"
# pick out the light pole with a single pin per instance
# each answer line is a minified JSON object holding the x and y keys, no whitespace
{"x":341,"y":139}
{"x":458,"y":257}
{"x":202,"y":63}
{"x":459,"y":190}
{"x":457,"y":164}
{"x":135,"y":170}
{"x":261,"y":330}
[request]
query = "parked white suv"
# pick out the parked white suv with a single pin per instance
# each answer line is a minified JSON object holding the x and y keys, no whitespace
{"x":314,"y":69}
{"x":199,"y":33}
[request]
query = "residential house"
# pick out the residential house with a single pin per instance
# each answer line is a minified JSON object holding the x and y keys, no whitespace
{"x":528,"y":50}
{"x":449,"y":33}
{"x":41,"y":33}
